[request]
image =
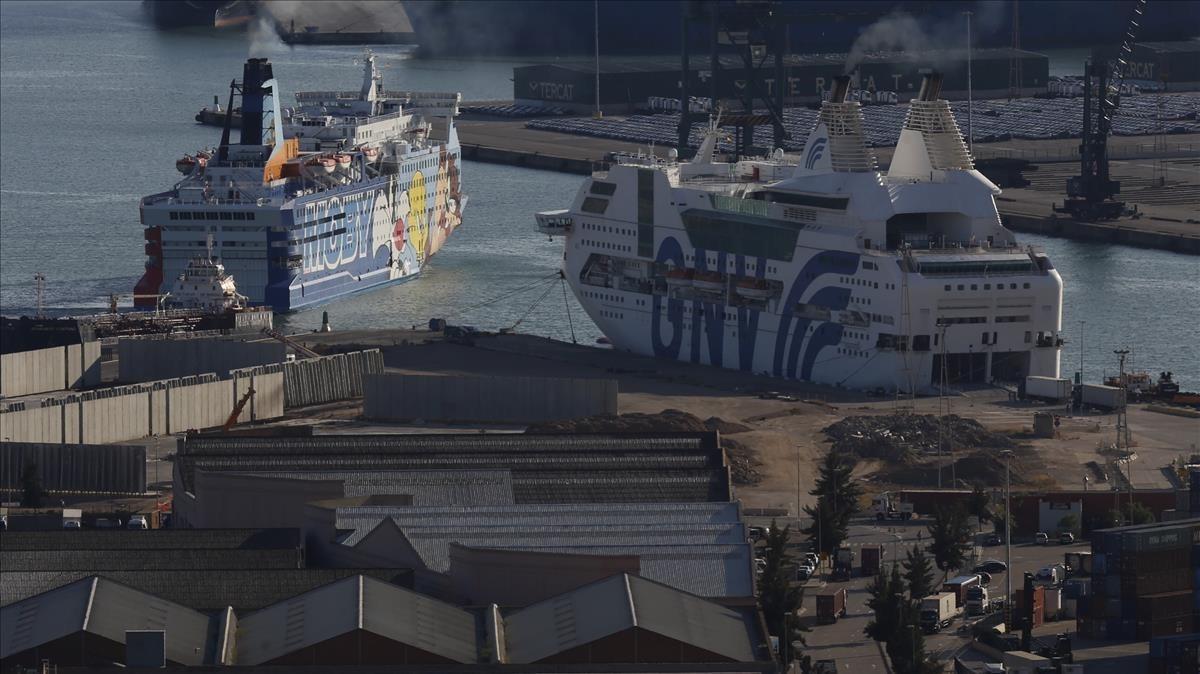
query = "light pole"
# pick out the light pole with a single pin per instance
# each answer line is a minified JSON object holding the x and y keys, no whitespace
{"x":1007,"y":454}
{"x":1081,"y":324}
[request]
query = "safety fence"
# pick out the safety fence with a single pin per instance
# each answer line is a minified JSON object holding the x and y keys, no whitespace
{"x":314,"y":381}
{"x":402,"y":397}
{"x":92,"y":469}
{"x":155,"y":408}
{"x":54,"y":369}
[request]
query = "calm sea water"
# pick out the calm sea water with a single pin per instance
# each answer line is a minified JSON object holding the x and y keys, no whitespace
{"x":95,"y":106}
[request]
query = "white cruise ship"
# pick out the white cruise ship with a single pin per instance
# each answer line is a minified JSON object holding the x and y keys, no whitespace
{"x":351,"y":191}
{"x":821,"y":269}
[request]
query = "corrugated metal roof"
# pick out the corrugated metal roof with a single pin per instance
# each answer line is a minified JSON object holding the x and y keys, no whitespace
{"x":116,"y":560}
{"x":427,"y":487}
{"x":622,"y":602}
{"x":338,"y":608}
{"x":107,"y":609}
{"x":154,"y":539}
{"x":204,"y":589}
{"x":433,"y":543}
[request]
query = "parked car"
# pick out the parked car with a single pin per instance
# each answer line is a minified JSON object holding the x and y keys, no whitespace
{"x":1066,"y":538}
{"x":71,"y":524}
{"x":1041,"y":538}
{"x":3,"y":522}
{"x":137,"y":522}
{"x":803,"y":572}
{"x":992,"y":539}
{"x":105,"y":523}
{"x":990,"y":566}
{"x":760,"y":565}
{"x":811,"y":559}
{"x":759,"y":533}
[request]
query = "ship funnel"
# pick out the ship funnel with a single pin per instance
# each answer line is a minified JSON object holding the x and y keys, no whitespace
{"x":931,"y":87}
{"x":841,"y":88}
{"x":256,"y":99}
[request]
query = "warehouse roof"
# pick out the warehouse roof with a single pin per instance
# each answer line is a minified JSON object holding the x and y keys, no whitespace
{"x":351,"y":604}
{"x":427,"y":487}
{"x":204,"y":590}
{"x":625,"y":602}
{"x":362,"y":519}
{"x":134,"y":559}
{"x":433,"y":543}
{"x":106,"y":609}
{"x":154,"y":539}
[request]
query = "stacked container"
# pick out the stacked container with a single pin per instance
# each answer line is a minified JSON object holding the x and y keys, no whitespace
{"x":1145,"y":582}
{"x":1175,"y":655}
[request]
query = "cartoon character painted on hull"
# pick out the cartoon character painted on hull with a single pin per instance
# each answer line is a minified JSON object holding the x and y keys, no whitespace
{"x":425,"y":217}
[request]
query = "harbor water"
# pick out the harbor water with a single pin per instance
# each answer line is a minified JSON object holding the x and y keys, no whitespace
{"x":97,"y":105}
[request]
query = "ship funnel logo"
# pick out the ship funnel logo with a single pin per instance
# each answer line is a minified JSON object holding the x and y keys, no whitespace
{"x":816,"y":150}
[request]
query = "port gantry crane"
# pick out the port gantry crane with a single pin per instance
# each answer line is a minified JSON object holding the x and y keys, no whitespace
{"x":1090,"y":194}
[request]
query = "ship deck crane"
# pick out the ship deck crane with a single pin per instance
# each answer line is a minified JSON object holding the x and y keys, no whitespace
{"x":237,"y":410}
{"x":1090,"y":194}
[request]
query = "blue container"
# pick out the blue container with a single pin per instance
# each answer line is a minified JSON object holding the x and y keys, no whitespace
{"x":1099,"y":564}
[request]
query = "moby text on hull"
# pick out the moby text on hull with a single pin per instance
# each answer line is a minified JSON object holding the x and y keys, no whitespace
{"x":819,"y":268}
{"x":349,"y":191}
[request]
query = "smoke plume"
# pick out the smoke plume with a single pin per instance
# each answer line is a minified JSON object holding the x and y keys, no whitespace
{"x":899,"y":31}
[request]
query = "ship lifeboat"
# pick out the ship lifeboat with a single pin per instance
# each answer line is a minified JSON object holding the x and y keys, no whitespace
{"x":710,"y":281}
{"x":343,"y":161}
{"x":680,"y":277}
{"x":185,"y":164}
{"x":370,"y":153}
{"x":752,"y":288}
{"x":326,"y":164}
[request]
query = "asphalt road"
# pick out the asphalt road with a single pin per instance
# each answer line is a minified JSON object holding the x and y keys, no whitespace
{"x":845,"y":641}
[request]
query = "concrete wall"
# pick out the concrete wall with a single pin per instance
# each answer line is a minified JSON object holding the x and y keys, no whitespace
{"x":149,"y":359}
{"x":313,"y":381}
{"x":140,"y":410}
{"x":54,"y":369}
{"x":402,"y":397}
{"x":110,"y":469}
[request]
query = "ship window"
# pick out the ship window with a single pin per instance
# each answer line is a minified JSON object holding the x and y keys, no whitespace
{"x":595,"y":205}
{"x":1027,"y":286}
{"x":601,"y":187}
{"x":226,"y":215}
{"x":174,"y":215}
{"x":213,"y":215}
{"x":740,"y":235}
{"x":250,"y":215}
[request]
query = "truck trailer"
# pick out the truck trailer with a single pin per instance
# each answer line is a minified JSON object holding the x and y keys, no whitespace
{"x":937,"y":611}
{"x":831,"y":606}
{"x":1053,"y":389}
{"x":959,"y":586}
{"x":1102,"y":397}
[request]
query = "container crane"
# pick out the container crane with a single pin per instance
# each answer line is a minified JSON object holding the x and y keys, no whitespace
{"x":1090,"y":194}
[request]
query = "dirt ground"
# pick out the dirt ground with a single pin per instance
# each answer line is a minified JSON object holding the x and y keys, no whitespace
{"x":786,"y":418}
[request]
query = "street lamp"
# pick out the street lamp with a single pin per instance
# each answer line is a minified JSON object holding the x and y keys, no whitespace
{"x":1007,"y":454}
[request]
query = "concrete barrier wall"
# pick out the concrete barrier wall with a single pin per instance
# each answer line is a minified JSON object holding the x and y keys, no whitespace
{"x":136,"y":411}
{"x":55,"y":369}
{"x":149,"y":359}
{"x":402,"y":397}
{"x":110,"y":469}
{"x":314,"y":381}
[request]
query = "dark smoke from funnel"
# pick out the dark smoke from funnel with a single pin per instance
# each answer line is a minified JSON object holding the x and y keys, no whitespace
{"x":899,"y":31}
{"x":841,"y":87}
{"x":931,"y":87}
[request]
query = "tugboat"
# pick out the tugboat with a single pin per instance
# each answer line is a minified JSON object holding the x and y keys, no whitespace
{"x":205,"y":285}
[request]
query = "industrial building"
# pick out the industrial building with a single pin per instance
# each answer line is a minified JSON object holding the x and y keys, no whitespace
{"x":627,"y":84}
{"x":364,"y":621}
{"x":1174,"y":65}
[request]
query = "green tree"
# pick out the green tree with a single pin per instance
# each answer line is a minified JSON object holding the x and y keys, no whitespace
{"x":918,"y":573}
{"x":999,"y":519}
{"x":778,"y":596}
{"x":949,"y":537}
{"x":906,"y":649}
{"x":979,"y":504}
{"x":828,"y":528}
{"x":1069,"y":523}
{"x":1113,"y":518}
{"x":32,"y":494}
{"x":886,"y":594}
{"x":1137,"y":513}
{"x":835,"y":483}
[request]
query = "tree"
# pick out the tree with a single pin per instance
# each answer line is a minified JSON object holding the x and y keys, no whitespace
{"x":886,"y":594}
{"x":978,"y":504}
{"x":1069,"y":523}
{"x":835,"y":483}
{"x":32,"y":493}
{"x":999,"y":520}
{"x":779,"y":598}
{"x":828,"y":529}
{"x":1137,"y":513}
{"x":949,"y":535}
{"x":918,"y":573}
{"x":906,"y":649}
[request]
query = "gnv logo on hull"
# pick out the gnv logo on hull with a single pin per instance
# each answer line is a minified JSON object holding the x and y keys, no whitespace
{"x":814,"y":150}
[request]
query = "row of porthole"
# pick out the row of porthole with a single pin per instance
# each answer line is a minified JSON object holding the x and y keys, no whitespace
{"x":986,"y":286}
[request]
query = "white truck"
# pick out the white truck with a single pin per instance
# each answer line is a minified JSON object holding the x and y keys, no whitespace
{"x":72,"y":518}
{"x":888,"y":506}
{"x":1103,"y":397}
{"x":1050,"y":576}
{"x":937,"y":611}
{"x":977,"y":600}
{"x":1054,"y":389}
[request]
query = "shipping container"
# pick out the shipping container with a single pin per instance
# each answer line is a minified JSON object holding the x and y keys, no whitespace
{"x":1165,"y":628}
{"x":1151,"y":561}
{"x":1155,"y":607}
{"x":1175,"y":580}
{"x":871,"y":555}
{"x":1099,"y":563}
{"x":831,"y":606}
{"x":1052,"y":603}
{"x":1039,"y":603}
{"x":1174,"y":645}
{"x":1070,"y":609}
